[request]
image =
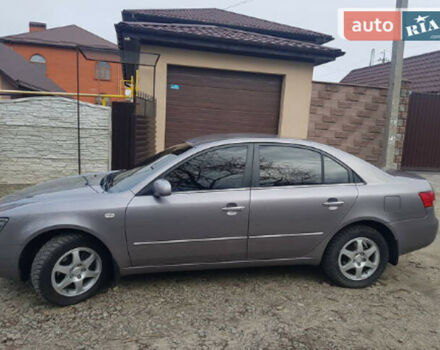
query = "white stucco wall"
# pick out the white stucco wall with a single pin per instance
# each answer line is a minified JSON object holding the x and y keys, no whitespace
{"x":38,"y":139}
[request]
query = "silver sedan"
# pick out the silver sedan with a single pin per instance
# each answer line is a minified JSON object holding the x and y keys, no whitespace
{"x":216,"y":202}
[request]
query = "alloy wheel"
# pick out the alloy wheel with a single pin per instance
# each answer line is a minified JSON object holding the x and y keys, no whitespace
{"x":76,"y":271}
{"x":359,"y":258}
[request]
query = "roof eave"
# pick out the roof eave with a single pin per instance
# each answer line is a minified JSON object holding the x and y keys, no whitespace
{"x":28,"y":86}
{"x":225,"y":46}
{"x":129,"y":16}
{"x":20,"y":84}
{"x":38,"y":43}
{"x":52,"y":44}
{"x":9,"y":79}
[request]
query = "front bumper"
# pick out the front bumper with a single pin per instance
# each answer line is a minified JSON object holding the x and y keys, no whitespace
{"x":416,"y":233}
{"x":9,"y":258}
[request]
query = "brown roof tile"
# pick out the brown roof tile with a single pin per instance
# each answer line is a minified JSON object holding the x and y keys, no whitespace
{"x":67,"y":36}
{"x":226,"y":19}
{"x":423,"y":71}
{"x":229,"y":34}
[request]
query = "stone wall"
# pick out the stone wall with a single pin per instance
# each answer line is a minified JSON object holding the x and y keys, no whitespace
{"x":352,"y":118}
{"x":38,"y":139}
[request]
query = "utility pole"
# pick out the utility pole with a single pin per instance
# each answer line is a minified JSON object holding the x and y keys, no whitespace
{"x":393,"y":99}
{"x":78,"y":113}
{"x":372,"y":57}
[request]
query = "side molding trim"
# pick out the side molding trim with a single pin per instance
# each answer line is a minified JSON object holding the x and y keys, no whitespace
{"x":215,"y":239}
{"x":288,"y":235}
{"x":180,"y":241}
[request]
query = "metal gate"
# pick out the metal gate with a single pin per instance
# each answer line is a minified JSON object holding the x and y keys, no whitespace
{"x":421,"y":149}
{"x":133,"y":132}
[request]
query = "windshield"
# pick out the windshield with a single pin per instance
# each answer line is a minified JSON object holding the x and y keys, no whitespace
{"x":126,"y":179}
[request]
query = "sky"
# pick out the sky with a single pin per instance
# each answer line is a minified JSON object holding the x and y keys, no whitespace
{"x":99,"y":17}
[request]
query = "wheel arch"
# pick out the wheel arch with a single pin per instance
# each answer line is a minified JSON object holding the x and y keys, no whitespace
{"x":32,"y":247}
{"x":385,"y":231}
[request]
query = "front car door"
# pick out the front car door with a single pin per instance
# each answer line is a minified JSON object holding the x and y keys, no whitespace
{"x":205,"y":219}
{"x":299,"y":196}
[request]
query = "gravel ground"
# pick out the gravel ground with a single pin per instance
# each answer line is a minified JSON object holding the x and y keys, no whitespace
{"x":261,"y":308}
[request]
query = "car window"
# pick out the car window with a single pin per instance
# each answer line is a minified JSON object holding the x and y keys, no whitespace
{"x":286,"y":166}
{"x":212,"y":170}
{"x":334,"y":172}
{"x":127,"y":179}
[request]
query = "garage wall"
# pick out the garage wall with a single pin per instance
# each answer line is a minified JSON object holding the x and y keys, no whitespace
{"x":38,"y":139}
{"x":295,"y":96}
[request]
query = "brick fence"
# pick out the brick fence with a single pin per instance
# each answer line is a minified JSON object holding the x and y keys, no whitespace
{"x":352,"y":118}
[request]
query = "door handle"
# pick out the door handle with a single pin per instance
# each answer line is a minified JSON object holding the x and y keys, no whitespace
{"x":333,"y":203}
{"x":237,"y":208}
{"x":232,"y":209}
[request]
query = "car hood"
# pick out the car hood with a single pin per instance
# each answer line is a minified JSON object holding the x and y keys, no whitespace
{"x":60,"y":187}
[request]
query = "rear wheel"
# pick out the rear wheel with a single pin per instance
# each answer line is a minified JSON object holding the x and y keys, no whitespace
{"x":356,"y":257}
{"x":69,"y":269}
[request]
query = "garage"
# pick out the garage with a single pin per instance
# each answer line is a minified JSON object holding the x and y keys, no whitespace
{"x":216,"y":71}
{"x":206,"y":101}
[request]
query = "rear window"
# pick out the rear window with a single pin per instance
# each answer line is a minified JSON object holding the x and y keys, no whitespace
{"x":287,"y":166}
{"x":334,"y":173}
{"x":290,"y":166}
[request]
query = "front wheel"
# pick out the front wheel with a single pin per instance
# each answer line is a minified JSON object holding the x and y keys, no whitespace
{"x":356,"y":257}
{"x":68,"y":269}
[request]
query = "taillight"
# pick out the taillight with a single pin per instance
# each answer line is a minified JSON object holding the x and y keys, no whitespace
{"x":427,"y":198}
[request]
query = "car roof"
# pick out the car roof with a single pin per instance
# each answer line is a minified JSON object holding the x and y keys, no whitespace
{"x":366,"y":170}
{"x":226,"y":137}
{"x":223,"y":139}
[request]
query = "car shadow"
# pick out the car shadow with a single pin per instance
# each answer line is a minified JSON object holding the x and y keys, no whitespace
{"x":15,"y":292}
{"x":248,"y":274}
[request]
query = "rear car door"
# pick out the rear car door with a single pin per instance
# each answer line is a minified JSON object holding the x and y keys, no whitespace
{"x":299,"y":196}
{"x":205,"y":219}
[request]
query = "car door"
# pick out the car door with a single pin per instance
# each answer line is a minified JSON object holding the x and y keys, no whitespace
{"x":205,"y":219}
{"x":299,"y":196}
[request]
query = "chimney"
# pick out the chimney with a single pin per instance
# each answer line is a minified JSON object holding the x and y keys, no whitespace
{"x":36,"y":26}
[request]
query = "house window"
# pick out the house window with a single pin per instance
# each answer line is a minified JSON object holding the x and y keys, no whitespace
{"x":40,"y":62}
{"x":102,"y":71}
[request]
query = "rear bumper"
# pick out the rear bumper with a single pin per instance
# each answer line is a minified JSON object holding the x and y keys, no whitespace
{"x":416,"y":233}
{"x":9,"y":257}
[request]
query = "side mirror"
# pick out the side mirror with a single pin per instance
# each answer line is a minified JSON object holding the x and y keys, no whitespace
{"x":161,"y":188}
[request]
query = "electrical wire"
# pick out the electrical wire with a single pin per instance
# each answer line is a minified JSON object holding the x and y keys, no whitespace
{"x":238,"y":4}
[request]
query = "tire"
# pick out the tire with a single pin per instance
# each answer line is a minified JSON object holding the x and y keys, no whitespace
{"x":74,"y":258}
{"x":356,"y":257}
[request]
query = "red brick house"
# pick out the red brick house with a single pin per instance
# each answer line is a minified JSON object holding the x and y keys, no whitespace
{"x":18,"y":74}
{"x":54,"y":52}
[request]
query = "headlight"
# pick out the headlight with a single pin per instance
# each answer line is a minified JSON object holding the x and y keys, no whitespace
{"x":3,"y":222}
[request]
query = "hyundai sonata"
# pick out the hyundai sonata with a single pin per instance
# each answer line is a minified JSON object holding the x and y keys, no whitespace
{"x":216,"y":202}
